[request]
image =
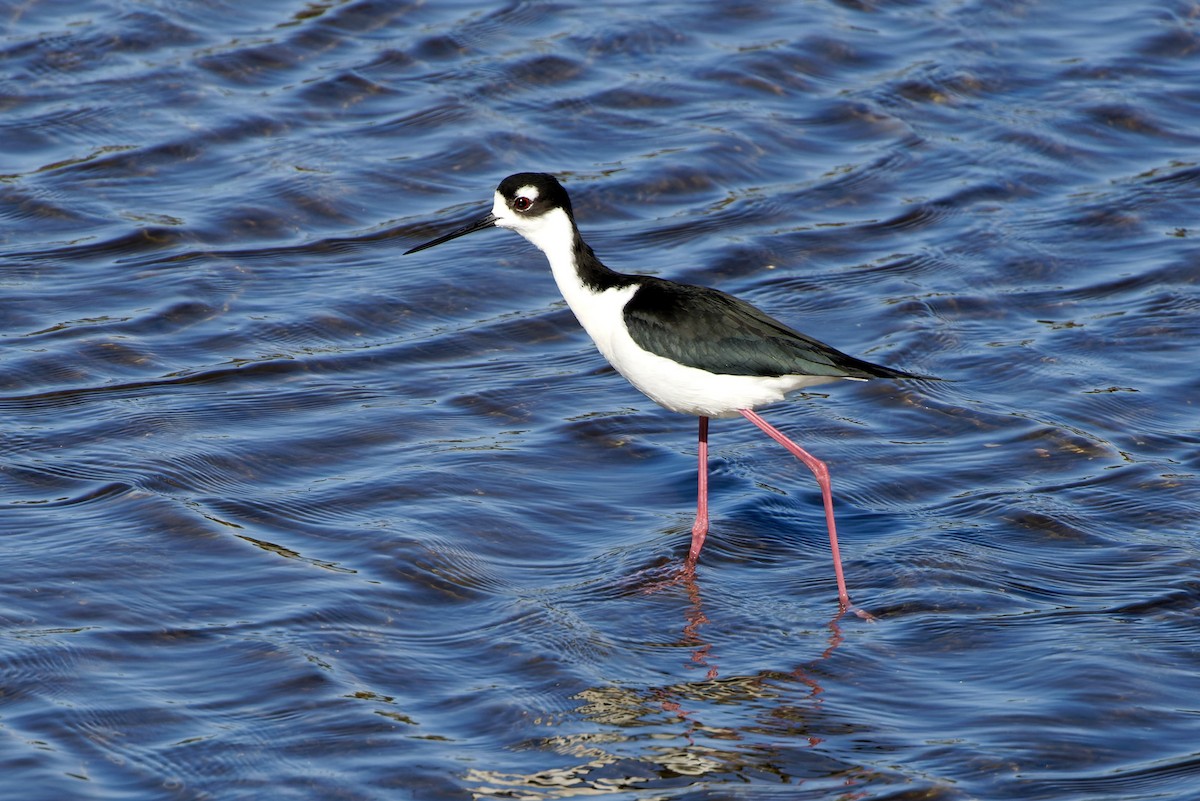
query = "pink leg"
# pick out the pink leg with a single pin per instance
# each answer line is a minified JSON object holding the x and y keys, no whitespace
{"x":700,"y":527}
{"x":822,"y":473}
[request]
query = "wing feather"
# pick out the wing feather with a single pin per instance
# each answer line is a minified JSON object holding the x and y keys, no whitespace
{"x":714,"y":331}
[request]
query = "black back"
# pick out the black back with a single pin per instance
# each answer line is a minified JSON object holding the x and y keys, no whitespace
{"x":714,"y":331}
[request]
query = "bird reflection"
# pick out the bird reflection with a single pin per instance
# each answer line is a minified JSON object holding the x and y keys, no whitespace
{"x":695,"y":620}
{"x":702,"y":650}
{"x":635,"y":739}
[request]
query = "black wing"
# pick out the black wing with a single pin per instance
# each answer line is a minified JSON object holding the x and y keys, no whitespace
{"x":711,"y":330}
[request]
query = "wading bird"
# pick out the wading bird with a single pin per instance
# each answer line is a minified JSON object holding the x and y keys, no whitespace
{"x":691,"y":349}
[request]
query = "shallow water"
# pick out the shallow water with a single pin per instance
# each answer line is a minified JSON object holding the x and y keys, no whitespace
{"x":287,"y":515}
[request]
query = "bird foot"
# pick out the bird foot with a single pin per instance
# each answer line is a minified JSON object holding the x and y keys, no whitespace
{"x":862,"y":613}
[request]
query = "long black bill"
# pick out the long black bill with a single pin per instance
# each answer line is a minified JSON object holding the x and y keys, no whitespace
{"x":478,"y":225}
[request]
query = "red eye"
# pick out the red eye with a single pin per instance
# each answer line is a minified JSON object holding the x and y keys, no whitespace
{"x":522,"y":203}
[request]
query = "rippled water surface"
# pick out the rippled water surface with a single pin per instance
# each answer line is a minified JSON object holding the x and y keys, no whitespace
{"x":287,"y":515}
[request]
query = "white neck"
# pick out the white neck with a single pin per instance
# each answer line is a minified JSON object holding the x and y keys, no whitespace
{"x":554,"y":234}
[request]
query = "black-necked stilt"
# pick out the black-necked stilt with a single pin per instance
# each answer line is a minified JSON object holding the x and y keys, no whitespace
{"x":689,"y":348}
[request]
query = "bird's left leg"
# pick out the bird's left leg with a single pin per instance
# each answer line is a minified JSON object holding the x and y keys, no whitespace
{"x":822,"y":473}
{"x":700,"y":527}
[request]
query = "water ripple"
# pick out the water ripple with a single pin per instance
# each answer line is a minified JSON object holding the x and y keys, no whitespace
{"x":287,"y":513}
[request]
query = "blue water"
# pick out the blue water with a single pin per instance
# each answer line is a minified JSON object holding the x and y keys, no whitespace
{"x":286,"y":515}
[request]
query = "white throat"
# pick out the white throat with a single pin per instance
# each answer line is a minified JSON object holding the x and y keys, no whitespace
{"x":553,"y":233}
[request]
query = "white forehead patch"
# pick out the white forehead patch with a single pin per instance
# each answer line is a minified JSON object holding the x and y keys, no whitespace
{"x":530,"y":192}
{"x":500,"y":208}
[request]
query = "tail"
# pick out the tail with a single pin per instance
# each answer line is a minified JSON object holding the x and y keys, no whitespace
{"x":864,"y":370}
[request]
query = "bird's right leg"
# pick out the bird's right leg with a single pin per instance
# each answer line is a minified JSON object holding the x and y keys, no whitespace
{"x":700,"y":527}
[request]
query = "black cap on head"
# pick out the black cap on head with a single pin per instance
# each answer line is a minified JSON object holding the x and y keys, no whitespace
{"x":550,"y":193}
